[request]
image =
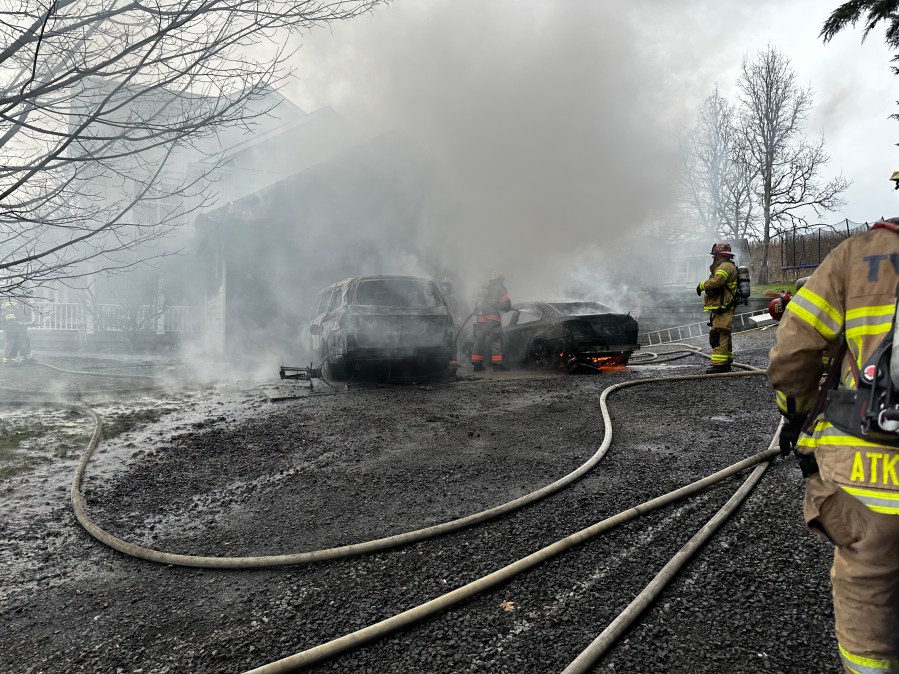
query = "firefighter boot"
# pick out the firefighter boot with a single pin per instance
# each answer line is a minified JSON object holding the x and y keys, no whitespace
{"x":718,"y":369}
{"x":499,"y":368}
{"x":478,"y":367}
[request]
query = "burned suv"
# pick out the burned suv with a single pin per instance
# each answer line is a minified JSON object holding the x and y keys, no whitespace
{"x":396,"y":325}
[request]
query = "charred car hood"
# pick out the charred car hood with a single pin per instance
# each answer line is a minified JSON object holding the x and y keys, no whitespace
{"x":602,"y":326}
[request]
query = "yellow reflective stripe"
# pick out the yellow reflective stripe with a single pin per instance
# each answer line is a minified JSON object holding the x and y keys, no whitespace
{"x":847,"y":441}
{"x":824,"y":319}
{"x":702,"y":285}
{"x":722,"y":272}
{"x":827,"y":434}
{"x":818,"y":301}
{"x":863,"y":665}
{"x":862,"y":330}
{"x":863,"y":492}
{"x":781,"y":401}
{"x":870,"y":310}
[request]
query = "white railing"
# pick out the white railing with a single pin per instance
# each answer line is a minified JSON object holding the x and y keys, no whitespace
{"x":59,"y":316}
{"x":116,"y":318}
{"x":184,"y":319}
{"x":682,"y":332}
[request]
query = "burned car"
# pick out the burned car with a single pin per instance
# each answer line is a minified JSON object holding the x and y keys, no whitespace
{"x":399,"y":325}
{"x":571,"y":334}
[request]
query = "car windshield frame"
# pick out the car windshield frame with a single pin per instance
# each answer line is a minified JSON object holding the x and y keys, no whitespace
{"x":397,"y":293}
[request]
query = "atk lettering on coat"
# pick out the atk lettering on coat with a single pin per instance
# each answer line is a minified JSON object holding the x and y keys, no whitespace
{"x":875,"y":468}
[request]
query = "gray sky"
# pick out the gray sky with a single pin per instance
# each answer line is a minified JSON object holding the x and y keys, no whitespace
{"x":555,"y":120}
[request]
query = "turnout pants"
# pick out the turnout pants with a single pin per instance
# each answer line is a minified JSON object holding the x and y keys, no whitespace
{"x":16,"y":342}
{"x":721,"y":323}
{"x":488,"y":337}
{"x":865,"y":576}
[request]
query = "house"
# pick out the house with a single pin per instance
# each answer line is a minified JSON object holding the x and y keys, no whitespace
{"x":266,"y":256}
{"x":280,"y":140}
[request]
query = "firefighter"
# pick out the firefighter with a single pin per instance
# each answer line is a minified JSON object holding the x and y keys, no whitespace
{"x":493,"y":300}
{"x":852,"y":488}
{"x":721,"y":302}
{"x":16,"y":342}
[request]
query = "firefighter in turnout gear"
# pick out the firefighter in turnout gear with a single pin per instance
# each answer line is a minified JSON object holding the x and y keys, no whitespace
{"x":493,"y":301}
{"x":721,"y":302}
{"x":852,"y":477}
{"x":16,"y":342}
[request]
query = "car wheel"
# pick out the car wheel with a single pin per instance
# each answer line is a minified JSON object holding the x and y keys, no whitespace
{"x":540,"y":356}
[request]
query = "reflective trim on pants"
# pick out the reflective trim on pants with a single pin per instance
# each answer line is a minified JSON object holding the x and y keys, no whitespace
{"x":861,"y":665}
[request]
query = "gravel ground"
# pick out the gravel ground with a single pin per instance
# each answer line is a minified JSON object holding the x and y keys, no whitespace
{"x":224,"y":472}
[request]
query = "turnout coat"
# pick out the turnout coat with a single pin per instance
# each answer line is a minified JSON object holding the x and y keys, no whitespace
{"x":851,"y":297}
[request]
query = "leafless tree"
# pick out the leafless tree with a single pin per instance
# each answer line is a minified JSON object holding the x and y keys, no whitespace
{"x":96,"y":98}
{"x":739,"y":215}
{"x":715,"y":179}
{"x":774,"y":110}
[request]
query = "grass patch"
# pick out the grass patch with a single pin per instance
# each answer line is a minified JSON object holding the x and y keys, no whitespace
{"x":21,"y":464}
{"x":28,"y":443}
{"x":12,"y":439}
{"x":758,"y":289}
{"x":117,"y":424}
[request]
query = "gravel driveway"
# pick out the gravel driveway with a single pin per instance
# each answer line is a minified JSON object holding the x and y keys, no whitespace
{"x":222,"y":471}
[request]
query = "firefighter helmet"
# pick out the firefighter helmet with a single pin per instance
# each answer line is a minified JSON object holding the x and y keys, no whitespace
{"x":895,"y":178}
{"x":497,"y":276}
{"x":721,"y":249}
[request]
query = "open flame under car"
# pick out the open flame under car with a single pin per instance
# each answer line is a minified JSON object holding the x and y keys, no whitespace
{"x":568,"y":334}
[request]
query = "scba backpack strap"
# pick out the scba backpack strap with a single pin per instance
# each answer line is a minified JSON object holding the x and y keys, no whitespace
{"x":871,"y":411}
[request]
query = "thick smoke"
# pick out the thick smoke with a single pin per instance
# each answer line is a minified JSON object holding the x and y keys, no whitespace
{"x":550,"y":130}
{"x":552,"y":126}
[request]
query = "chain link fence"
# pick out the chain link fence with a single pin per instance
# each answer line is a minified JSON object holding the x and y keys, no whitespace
{"x":796,"y":252}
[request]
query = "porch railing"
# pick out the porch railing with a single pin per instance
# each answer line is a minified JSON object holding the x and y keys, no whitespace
{"x":116,"y":318}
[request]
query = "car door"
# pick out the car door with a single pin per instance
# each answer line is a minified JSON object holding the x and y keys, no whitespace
{"x":330,"y":320}
{"x":529,"y":322}
{"x":510,"y":336}
{"x":315,"y":335}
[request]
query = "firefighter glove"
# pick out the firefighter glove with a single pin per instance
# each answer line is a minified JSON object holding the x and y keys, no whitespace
{"x":699,"y":289}
{"x":789,"y":434}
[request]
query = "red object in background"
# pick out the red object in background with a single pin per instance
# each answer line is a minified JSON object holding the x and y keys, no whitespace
{"x":777,"y":306}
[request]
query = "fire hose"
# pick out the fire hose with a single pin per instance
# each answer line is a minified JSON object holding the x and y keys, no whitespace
{"x":402,"y":620}
{"x":249,"y":562}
